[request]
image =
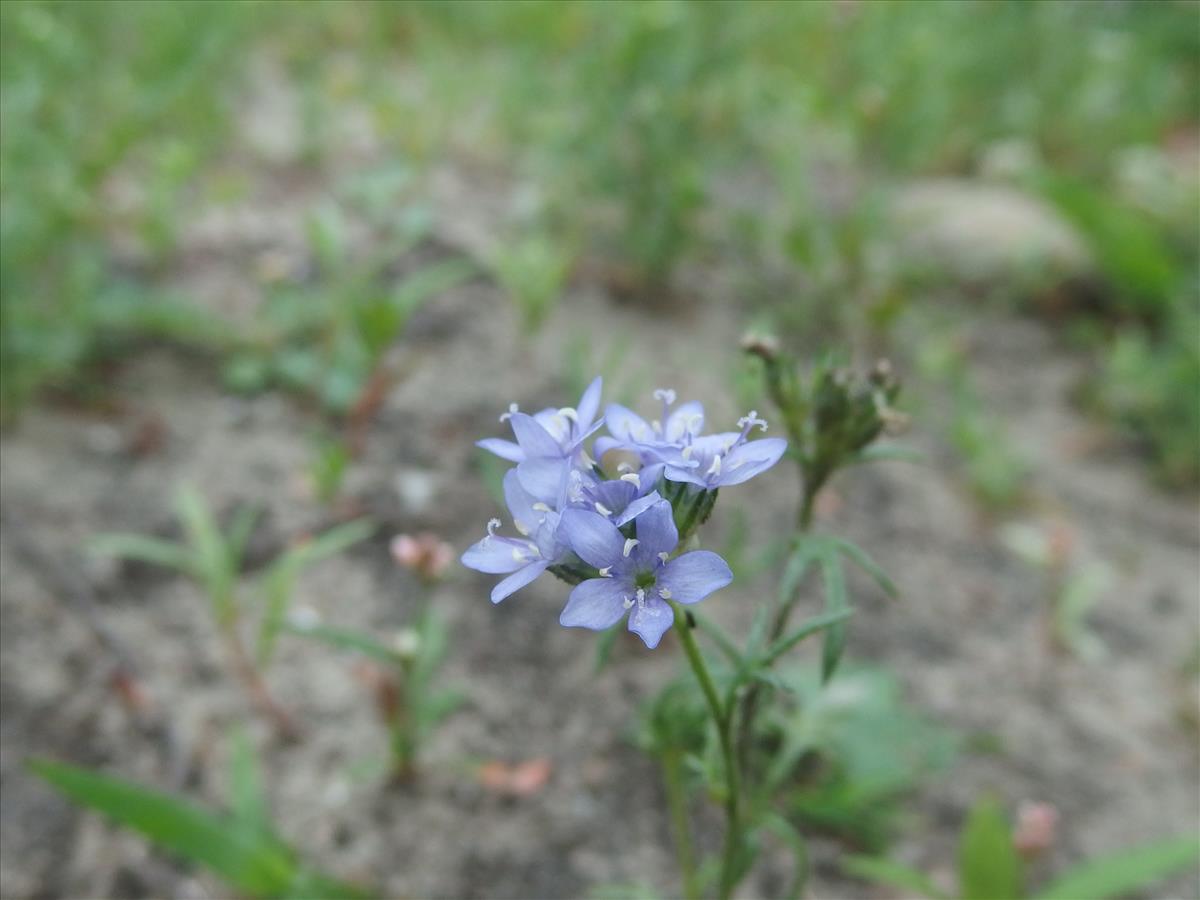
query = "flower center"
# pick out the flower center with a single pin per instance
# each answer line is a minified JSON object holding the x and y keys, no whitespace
{"x":644,"y":579}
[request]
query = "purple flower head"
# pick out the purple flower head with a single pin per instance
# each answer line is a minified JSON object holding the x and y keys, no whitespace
{"x":551,"y":433}
{"x":526,"y":557}
{"x":719,"y":460}
{"x":638,"y":576}
{"x":658,"y":440}
{"x":620,"y":499}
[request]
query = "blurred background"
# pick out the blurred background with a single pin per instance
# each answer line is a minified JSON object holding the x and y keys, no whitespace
{"x":300,"y":256}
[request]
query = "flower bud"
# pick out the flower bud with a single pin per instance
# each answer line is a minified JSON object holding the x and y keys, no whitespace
{"x":425,"y":554}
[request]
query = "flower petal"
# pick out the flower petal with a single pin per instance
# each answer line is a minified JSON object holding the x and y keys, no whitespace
{"x":503,"y":449}
{"x":533,"y":438}
{"x":589,"y":404}
{"x":592,"y":536}
{"x":520,"y":504}
{"x":750,"y":459}
{"x":497,"y":555}
{"x":693,"y":576}
{"x":681,"y":417}
{"x":543,"y":477}
{"x":597,"y":603}
{"x":636,"y":508}
{"x":650,"y":620}
{"x":518,"y":580}
{"x":626,"y":425}
{"x":656,"y":532}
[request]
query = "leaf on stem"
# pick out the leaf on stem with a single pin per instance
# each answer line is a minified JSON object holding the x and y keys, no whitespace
{"x":989,"y":867}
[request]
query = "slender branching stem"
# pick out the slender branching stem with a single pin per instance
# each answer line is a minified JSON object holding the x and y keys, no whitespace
{"x":672,"y":767}
{"x":722,"y":719}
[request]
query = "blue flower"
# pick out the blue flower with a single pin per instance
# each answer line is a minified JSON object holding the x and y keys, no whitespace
{"x":526,"y":557}
{"x":660,"y":439}
{"x":638,"y":576}
{"x":557,"y":433}
{"x":719,"y":460}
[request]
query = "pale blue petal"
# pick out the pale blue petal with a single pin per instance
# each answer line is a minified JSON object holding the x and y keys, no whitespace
{"x":543,"y":477}
{"x":497,"y":555}
{"x":687,"y":476}
{"x":518,"y":580}
{"x":656,"y":532}
{"x":636,"y":508}
{"x":750,"y":459}
{"x":533,"y":438}
{"x":597,"y":603}
{"x":650,"y":620}
{"x":626,"y":425}
{"x":681,"y":417}
{"x":592,"y":536}
{"x":520,"y":504}
{"x":503,"y":449}
{"x":589,"y":404}
{"x":693,"y":576}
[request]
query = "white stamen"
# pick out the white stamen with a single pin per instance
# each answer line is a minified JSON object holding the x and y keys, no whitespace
{"x":492,"y":525}
{"x":627,"y":603}
{"x":633,"y":478}
{"x":715,"y":468}
{"x":666,"y":395}
{"x":624,"y":467}
{"x":521,"y":527}
{"x":751,"y":420}
{"x":518,"y":554}
{"x":664,"y":556}
{"x":606,"y":572}
{"x":695,"y":423}
{"x":541,"y":507}
{"x":586,"y":461}
{"x":641,"y":596}
{"x":665,"y":593}
{"x":630,"y":543}
{"x":512,"y":408}
{"x":657,"y":426}
{"x":687,"y":452}
{"x":602,"y":509}
{"x":568,"y":412}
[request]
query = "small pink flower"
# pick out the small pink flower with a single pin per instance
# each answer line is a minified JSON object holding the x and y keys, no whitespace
{"x":424,"y":553}
{"x":1037,"y":825}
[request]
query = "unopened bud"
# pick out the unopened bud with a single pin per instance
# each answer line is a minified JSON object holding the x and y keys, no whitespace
{"x":407,"y":643}
{"x":764,"y":346}
{"x":425,"y":554}
{"x":1036,"y":828}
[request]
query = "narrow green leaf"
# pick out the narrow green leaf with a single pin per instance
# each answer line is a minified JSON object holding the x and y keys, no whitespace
{"x":246,"y":790}
{"x":150,"y":550}
{"x":724,"y":644}
{"x":988,"y":865}
{"x":809,"y":628}
{"x":893,"y":874}
{"x":868,"y":565}
{"x":249,"y":861}
{"x":835,"y":602}
{"x":786,"y":832}
{"x":345,"y":639}
{"x":1124,"y":872}
{"x":326,"y":544}
{"x":239,"y":534}
{"x":212,"y":554}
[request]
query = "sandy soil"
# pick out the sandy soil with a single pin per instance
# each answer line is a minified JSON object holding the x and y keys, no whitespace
{"x":1110,"y":743}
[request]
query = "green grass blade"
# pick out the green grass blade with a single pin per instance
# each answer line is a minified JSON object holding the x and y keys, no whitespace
{"x":868,"y":565}
{"x":1124,"y":872}
{"x":246,"y":790}
{"x":834,"y":578}
{"x":150,"y":550}
{"x":811,"y":627}
{"x":345,"y":639}
{"x":250,"y":861}
{"x":988,"y":865}
{"x":892,"y":874}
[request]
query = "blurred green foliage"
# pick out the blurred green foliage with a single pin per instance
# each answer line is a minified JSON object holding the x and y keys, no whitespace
{"x":655,"y":140}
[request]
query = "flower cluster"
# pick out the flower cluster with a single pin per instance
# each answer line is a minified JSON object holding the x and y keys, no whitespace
{"x":616,"y":534}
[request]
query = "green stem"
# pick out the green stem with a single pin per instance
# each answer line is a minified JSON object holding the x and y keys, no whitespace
{"x":677,"y":803}
{"x":720,"y":714}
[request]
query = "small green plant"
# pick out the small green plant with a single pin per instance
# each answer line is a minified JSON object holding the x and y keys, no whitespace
{"x":1072,"y":587}
{"x":327,"y":468}
{"x":533,"y":270}
{"x":213,"y":558}
{"x":240,"y":846}
{"x":408,"y":698}
{"x":326,"y":338}
{"x":990,"y":867}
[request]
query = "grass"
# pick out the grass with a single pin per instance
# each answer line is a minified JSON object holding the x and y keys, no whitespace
{"x":655,"y":138}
